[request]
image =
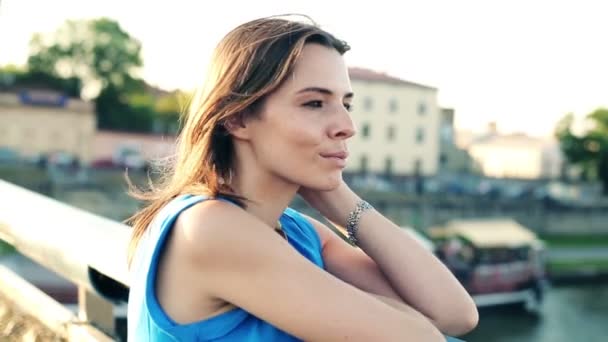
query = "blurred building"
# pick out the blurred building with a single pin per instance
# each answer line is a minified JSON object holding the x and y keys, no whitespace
{"x":398,"y":126}
{"x":452,"y":158}
{"x":150,"y":146}
{"x":517,"y":156}
{"x":41,"y":122}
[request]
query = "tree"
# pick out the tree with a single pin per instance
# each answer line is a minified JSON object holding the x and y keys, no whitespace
{"x":590,"y":149}
{"x":15,"y":77}
{"x":125,"y":111}
{"x":98,"y":52}
{"x":103,"y":58}
{"x":170,"y":107}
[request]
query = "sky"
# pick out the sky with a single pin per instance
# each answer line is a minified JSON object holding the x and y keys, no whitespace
{"x":523,"y":64}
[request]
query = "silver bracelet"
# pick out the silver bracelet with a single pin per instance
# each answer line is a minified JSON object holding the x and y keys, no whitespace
{"x":352,"y":223}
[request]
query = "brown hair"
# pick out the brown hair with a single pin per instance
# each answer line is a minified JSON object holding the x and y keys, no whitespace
{"x":249,"y":63}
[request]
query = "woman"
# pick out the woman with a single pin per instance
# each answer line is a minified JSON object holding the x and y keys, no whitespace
{"x":206,"y":259}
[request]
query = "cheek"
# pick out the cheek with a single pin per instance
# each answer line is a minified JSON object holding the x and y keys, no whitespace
{"x":297,"y":147}
{"x":292,"y":152}
{"x":303,"y":133}
{"x":303,"y":147}
{"x":294,"y":137}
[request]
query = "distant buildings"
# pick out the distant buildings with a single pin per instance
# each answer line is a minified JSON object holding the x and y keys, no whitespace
{"x":402,"y":131}
{"x":398,"y":126}
{"x":517,"y":156}
{"x":39,"y":122}
{"x":150,"y":146}
{"x":453,"y":160}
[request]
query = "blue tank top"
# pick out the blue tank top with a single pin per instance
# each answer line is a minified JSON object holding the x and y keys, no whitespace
{"x":148,"y":322}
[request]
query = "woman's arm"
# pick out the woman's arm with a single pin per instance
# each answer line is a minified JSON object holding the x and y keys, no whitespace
{"x":244,"y":262}
{"x":391,"y":263}
{"x":399,"y":305}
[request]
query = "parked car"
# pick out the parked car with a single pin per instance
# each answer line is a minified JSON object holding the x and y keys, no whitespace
{"x":129,"y":156}
{"x":103,"y":163}
{"x":62,"y":159}
{"x":9,"y":156}
{"x":372,"y":182}
{"x":38,"y":159}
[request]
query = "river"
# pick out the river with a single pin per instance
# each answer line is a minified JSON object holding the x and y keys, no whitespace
{"x":568,"y":314}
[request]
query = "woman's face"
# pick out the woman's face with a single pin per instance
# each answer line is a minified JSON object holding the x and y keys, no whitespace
{"x":302,"y":128}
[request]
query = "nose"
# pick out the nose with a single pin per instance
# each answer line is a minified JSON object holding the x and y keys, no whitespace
{"x":344,"y":127}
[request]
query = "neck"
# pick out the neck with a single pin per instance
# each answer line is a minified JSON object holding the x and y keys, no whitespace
{"x":268,"y":195}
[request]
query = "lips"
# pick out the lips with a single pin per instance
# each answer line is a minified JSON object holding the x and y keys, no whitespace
{"x":337,"y":154}
{"x":338,"y":157}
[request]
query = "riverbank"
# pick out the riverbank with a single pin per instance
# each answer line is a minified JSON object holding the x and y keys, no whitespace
{"x":576,"y":258}
{"x":574,"y":272}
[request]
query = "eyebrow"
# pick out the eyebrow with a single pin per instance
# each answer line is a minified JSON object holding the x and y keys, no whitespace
{"x":323,"y":91}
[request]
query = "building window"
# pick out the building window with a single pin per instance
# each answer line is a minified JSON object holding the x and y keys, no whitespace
{"x":365,"y":130}
{"x":364,"y":162}
{"x":443,"y":159}
{"x":421,"y":108}
{"x":420,"y":135}
{"x":393,"y":106}
{"x":388,"y":166}
{"x":390,"y":133}
{"x":418,"y":167}
{"x":368,"y":103}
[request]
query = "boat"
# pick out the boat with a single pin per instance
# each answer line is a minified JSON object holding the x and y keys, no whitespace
{"x":498,"y":261}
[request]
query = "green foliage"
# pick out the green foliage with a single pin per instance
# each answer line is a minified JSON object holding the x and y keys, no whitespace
{"x":590,"y":149}
{"x":96,"y":59}
{"x":173,"y":104}
{"x":171,"y":107}
{"x":575,"y":241}
{"x":6,"y":248}
{"x":118,"y":111}
{"x":574,"y":266}
{"x":600,"y":118}
{"x":97,"y":52}
{"x":12,"y":76}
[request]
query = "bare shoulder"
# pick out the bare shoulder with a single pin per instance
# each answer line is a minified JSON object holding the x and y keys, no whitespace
{"x":209,"y":226}
{"x":207,"y":217}
{"x":218,"y":237}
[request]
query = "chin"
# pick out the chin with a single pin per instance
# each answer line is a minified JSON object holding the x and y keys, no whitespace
{"x":330,"y":182}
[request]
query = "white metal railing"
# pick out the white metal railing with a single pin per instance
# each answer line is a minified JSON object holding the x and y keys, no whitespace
{"x":85,"y":248}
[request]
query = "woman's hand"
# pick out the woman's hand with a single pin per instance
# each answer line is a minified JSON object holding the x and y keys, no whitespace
{"x":416,"y":276}
{"x":334,"y":205}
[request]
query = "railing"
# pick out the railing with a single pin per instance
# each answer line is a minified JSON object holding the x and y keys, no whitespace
{"x":86,"y":249}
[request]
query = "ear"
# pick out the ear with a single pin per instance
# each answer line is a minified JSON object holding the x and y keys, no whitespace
{"x":235,"y":126}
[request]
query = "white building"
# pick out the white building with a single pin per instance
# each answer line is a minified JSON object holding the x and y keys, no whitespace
{"x":398,"y":126}
{"x":517,"y":156}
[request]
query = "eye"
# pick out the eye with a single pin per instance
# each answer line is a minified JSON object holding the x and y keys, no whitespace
{"x":314,"y":104}
{"x":348,"y":106}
